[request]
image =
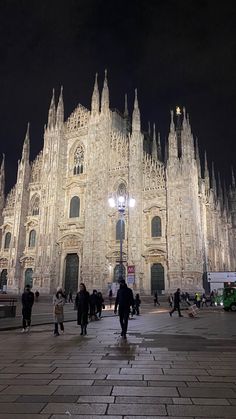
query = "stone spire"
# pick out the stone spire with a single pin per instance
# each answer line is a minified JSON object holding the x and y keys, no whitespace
{"x":149,"y":128}
{"x":95,"y":98}
{"x":198,"y":161}
{"x":172,"y":125}
{"x":154,"y":144}
{"x":213,"y":178}
{"x":185,"y":125}
{"x":220,"y":192}
{"x":26,"y":146}
{"x":52,"y":112}
{"x":126,"y":112}
{"x":159,"y":151}
{"x":172,"y":139}
{"x":226,"y":200}
{"x":232,"y":178}
{"x":105,"y":96}
{"x":136,"y":125}
{"x":2,"y":175}
{"x":60,"y":110}
{"x":206,"y":173}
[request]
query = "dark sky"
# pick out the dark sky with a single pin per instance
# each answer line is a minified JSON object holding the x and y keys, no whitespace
{"x":174,"y":52}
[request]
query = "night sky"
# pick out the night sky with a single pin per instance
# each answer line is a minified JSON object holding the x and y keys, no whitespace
{"x":174,"y":52}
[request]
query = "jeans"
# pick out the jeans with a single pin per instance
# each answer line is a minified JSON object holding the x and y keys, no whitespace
{"x":124,"y":317}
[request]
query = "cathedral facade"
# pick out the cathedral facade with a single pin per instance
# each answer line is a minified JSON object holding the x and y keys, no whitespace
{"x":57,"y":228}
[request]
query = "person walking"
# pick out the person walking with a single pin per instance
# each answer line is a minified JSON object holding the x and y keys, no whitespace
{"x":100,"y":304}
{"x":110,"y":297}
{"x":176,"y":303}
{"x":124,"y":300}
{"x":93,"y":305}
{"x":156,"y":302}
{"x":212,"y":298}
{"x":58,"y":310}
{"x":137,"y":303}
{"x":70,"y":297}
{"x":27,"y":300}
{"x":82,"y":305}
{"x":204,"y":300}
{"x":170,"y":300}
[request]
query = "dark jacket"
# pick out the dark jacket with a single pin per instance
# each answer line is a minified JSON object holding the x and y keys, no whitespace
{"x":27,"y":300}
{"x":176,"y":298}
{"x":124,"y":298}
{"x":82,"y":305}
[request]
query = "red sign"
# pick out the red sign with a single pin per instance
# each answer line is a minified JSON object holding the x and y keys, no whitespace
{"x":131,"y":269}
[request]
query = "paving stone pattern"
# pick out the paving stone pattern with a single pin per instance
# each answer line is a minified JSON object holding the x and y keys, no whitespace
{"x":151,"y":375}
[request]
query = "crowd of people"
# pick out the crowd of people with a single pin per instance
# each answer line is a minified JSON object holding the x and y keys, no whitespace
{"x":89,"y":307}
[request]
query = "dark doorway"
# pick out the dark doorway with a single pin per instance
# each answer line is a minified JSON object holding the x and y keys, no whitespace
{"x":117,"y":271}
{"x":28,"y":277}
{"x":71,"y":273}
{"x":157,"y":278}
{"x":3,"y":280}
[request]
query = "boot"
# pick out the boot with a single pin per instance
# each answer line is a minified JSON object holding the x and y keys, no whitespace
{"x":82,"y":331}
{"x":85,"y":330}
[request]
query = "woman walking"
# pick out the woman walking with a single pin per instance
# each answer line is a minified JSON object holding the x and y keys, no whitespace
{"x":82,"y":305}
{"x":58,"y":311}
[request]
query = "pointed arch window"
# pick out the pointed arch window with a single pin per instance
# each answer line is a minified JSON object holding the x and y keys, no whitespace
{"x":120,"y":230}
{"x":156,"y":227}
{"x":35,"y":206}
{"x":32,"y":238}
{"x":78,"y":161}
{"x":7,"y":240}
{"x":74,"y":207}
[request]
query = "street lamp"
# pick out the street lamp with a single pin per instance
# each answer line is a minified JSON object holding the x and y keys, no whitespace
{"x":121,"y":202}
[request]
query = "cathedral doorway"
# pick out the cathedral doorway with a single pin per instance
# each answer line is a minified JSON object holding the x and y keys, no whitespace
{"x":3,"y":280}
{"x":157,"y":278}
{"x":71,"y":273}
{"x":29,"y":277}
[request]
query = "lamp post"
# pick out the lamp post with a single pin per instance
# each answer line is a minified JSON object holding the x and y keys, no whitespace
{"x":121,"y":202}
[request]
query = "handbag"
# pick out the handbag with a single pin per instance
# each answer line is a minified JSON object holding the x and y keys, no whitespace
{"x":58,"y":309}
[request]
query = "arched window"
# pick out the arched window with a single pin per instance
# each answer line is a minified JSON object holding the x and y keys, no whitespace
{"x":78,"y":161}
{"x":35,"y":205}
{"x":7,"y":240}
{"x":120,"y":230}
{"x":74,"y":207}
{"x":32,"y":238}
{"x":156,"y":227}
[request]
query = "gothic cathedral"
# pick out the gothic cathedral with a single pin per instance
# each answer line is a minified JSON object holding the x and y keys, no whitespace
{"x":58,"y":229}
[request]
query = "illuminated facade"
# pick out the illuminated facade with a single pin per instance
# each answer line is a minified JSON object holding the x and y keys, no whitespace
{"x":58,"y":229}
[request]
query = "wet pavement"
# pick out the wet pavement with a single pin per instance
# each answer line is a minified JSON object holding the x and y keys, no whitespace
{"x":168,"y":367}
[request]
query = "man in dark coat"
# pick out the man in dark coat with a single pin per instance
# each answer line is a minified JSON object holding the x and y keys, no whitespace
{"x":27,"y":300}
{"x":124,"y":300}
{"x":82,"y":306}
{"x":176,"y":303}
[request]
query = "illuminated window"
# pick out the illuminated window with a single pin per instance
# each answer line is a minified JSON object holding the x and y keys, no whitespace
{"x":78,"y":161}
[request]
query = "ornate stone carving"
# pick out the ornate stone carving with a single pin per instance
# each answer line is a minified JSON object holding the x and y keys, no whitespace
{"x":78,"y":119}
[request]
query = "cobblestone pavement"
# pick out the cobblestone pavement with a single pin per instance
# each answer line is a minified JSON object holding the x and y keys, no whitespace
{"x":168,"y":367}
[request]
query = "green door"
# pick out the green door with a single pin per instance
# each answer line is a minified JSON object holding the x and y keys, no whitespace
{"x":157,"y":278}
{"x":72,"y":273}
{"x":3,"y":279}
{"x":28,"y":277}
